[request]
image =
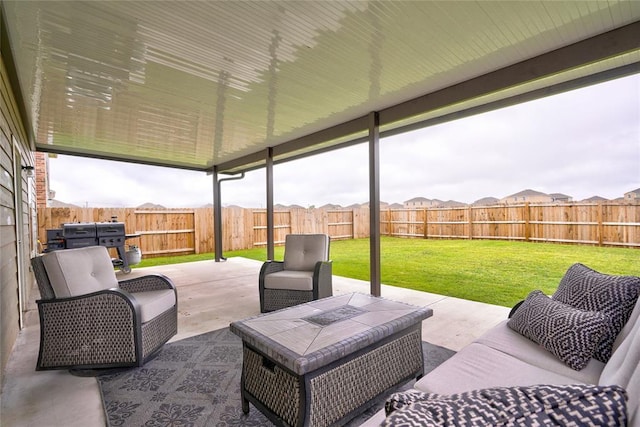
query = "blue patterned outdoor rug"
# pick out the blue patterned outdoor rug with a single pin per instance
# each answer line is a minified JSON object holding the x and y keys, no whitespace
{"x":195,"y":382}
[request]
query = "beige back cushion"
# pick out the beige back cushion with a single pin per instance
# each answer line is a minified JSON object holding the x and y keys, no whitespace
{"x":633,"y":320}
{"x":303,"y":251}
{"x":74,"y":272}
{"x":623,"y":368}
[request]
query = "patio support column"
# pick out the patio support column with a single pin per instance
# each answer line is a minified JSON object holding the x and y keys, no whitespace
{"x":217,"y":216}
{"x":374,"y":202}
{"x":217,"y":211}
{"x":269,"y":169}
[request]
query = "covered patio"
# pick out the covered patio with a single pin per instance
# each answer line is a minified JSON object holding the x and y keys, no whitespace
{"x":211,"y":295}
{"x":229,"y":87}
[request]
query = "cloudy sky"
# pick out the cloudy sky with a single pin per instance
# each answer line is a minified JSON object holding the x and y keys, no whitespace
{"x":581,"y":143}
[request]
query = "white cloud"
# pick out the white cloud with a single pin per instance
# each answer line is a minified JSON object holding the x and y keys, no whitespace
{"x":94,"y":182}
{"x":580,"y":143}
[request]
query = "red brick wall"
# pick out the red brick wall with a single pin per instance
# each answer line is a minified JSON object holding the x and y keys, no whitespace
{"x":42,"y":180}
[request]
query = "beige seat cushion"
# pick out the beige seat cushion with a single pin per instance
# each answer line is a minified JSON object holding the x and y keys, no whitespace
{"x":478,"y":366}
{"x":153,"y":303}
{"x":80,"y":271}
{"x":506,"y":340}
{"x":287,"y":279}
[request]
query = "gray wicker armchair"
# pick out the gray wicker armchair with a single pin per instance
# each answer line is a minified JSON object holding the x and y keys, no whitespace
{"x":90,"y":320}
{"x":304,"y":275}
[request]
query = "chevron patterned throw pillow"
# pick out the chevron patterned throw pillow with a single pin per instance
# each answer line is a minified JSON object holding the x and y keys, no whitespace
{"x":571,"y":334}
{"x":538,"y":405}
{"x":586,"y":289}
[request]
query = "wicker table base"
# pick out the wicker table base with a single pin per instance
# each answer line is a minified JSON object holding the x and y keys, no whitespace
{"x":334,"y":382}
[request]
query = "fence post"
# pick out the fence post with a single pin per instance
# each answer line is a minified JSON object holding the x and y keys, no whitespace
{"x":353,"y":224}
{"x":389,"y":223}
{"x":470,"y":213}
{"x":426,"y":223}
{"x":527,"y":221}
{"x":600,"y":225}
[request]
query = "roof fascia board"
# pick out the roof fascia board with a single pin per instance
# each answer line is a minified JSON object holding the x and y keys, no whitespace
{"x":236,"y":165}
{"x":45,"y":148}
{"x":603,"y":76}
{"x":306,"y":142}
{"x":347,"y":128}
{"x":254,"y":166}
{"x":605,"y":45}
{"x":345,"y":144}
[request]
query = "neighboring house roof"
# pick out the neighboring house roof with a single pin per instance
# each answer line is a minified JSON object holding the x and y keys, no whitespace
{"x":593,"y":199}
{"x":527,"y":193}
{"x":330,"y":206}
{"x":559,"y":196}
{"x":58,"y":204}
{"x":150,"y":205}
{"x":486,"y":201}
{"x":366,"y":204}
{"x":417,"y":199}
{"x":451,"y":204}
{"x":396,"y":206}
{"x":636,"y":191}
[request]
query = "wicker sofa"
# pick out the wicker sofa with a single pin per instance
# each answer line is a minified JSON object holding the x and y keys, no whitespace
{"x":506,"y":365}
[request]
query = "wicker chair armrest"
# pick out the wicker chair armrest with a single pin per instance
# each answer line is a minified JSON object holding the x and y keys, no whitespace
{"x":271,"y":267}
{"x":116,"y":296}
{"x":151,"y":282}
{"x":323,"y":279}
{"x":40,"y":273}
{"x":323,"y":268}
{"x":102,"y":307}
{"x":266,"y":269}
{"x":96,"y":329}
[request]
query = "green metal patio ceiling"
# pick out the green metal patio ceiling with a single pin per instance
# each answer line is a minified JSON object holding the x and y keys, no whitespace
{"x":199,"y":84}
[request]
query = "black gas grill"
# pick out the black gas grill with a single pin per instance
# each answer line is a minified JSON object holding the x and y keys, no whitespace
{"x":83,"y":234}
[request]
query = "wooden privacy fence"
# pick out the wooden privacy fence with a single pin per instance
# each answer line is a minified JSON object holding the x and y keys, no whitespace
{"x":161,"y":232}
{"x":339,"y":224}
{"x":187,"y":231}
{"x":591,"y":224}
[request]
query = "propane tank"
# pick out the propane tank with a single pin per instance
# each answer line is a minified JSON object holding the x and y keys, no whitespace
{"x":134,"y":255}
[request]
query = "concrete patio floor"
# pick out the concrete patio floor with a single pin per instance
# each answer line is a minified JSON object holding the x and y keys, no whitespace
{"x":210,"y":296}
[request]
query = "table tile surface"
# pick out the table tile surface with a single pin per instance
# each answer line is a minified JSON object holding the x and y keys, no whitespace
{"x":309,"y":335}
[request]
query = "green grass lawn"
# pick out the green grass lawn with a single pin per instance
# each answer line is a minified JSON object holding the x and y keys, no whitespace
{"x":494,"y":272}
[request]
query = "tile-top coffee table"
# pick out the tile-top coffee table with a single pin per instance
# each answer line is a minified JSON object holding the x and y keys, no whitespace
{"x":321,"y":363}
